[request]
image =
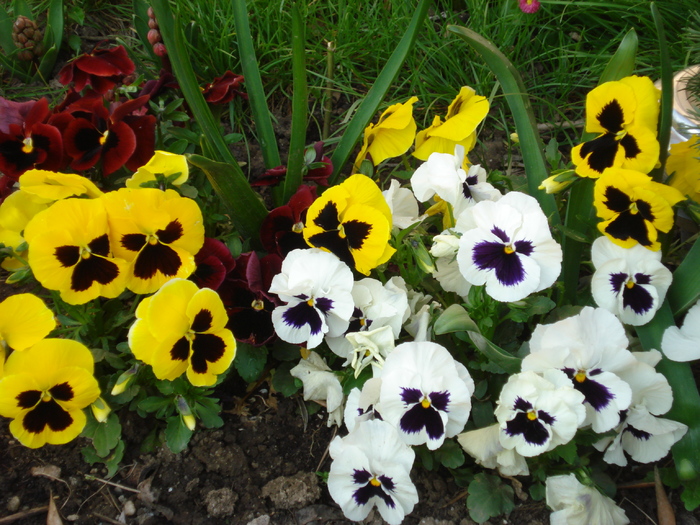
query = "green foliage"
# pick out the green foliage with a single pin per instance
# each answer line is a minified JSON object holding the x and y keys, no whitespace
{"x":489,"y":497}
{"x":250,"y":361}
{"x":177,"y":435}
{"x":283,"y":382}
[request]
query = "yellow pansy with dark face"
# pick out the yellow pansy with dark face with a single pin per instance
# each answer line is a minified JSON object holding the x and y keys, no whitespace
{"x":625,"y":114}
{"x":353,"y":221}
{"x":164,"y":164}
{"x":684,"y":163}
{"x":391,"y":136}
{"x":158,"y":232}
{"x":45,"y":389}
{"x":464,"y":114}
{"x":70,"y":251}
{"x":633,"y":207}
{"x":182,"y":329}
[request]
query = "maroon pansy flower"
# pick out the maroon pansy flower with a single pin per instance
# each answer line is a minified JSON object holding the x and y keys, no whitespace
{"x":317,"y":168}
{"x":13,"y":113}
{"x":248,"y":303}
{"x":281,"y":230}
{"x":224,"y":89}
{"x":31,"y":144}
{"x":214,"y":261}
{"x":102,"y":69}
{"x":118,"y":137}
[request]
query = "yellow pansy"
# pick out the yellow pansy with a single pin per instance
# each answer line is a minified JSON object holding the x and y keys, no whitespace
{"x":163,"y":164}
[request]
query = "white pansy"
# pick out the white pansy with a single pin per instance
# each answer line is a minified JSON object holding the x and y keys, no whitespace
{"x":370,"y":348}
{"x":321,"y":384}
{"x":576,"y":504}
{"x":683,"y":344}
{"x":403,"y":205}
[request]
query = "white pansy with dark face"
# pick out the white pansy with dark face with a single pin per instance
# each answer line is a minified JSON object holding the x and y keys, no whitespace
{"x":425,"y":393}
{"x":538,"y":413}
{"x":629,"y":282}
{"x":591,"y":349}
{"x":316,"y":286}
{"x":507,"y":246}
{"x":371,"y":467}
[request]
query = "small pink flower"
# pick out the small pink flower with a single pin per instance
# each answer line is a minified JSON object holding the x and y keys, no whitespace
{"x":529,"y":6}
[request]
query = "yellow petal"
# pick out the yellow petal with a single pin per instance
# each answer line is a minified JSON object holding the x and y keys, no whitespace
{"x":24,"y":321}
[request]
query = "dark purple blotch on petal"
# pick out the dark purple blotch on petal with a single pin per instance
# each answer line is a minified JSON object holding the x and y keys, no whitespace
{"x":419,"y":417}
{"x":363,"y":494}
{"x":596,"y":394}
{"x":639,"y":434}
{"x":638,"y":299}
{"x":206,"y":348}
{"x":533,"y":431}
{"x":507,"y":266}
{"x":302,"y":314}
{"x":154,"y":258}
{"x":47,"y":413}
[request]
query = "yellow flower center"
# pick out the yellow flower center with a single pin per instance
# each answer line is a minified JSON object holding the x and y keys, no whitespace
{"x":580,"y":376}
{"x":341,"y":232}
{"x":310,"y":302}
{"x":532,"y":415}
{"x":190,"y":335}
{"x":152,"y":239}
{"x":621,"y":134}
{"x":425,"y":403}
{"x":298,"y":227}
{"x":257,"y":304}
{"x":629,"y":284}
{"x":633,"y":208}
{"x":103,"y":138}
{"x":375,"y":482}
{"x":85,"y":253}
{"x":46,"y":397}
{"x":27,"y":145}
{"x":508,"y":249}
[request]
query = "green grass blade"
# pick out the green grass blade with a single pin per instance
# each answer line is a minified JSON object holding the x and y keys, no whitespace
{"x":46,"y":65}
{"x":21,"y":8}
{"x":621,"y":65}
{"x":370,"y":104}
{"x":182,"y":68}
{"x":686,"y":399}
{"x":300,"y":110}
{"x":254,"y":86}
{"x":685,"y":289}
{"x":8,"y":45}
{"x":243,"y":204}
{"x":521,"y":108}
{"x":666,"y":112}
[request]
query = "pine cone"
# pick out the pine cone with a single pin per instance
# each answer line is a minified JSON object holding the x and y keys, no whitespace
{"x":28,"y":38}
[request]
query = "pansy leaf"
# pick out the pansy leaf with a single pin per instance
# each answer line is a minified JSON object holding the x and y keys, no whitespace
{"x":455,"y":318}
{"x":283,"y":382}
{"x":177,"y":435}
{"x":106,"y":436}
{"x":567,"y":452}
{"x":489,"y":497}
{"x":207,"y":411}
{"x":250,"y":361}
{"x":450,"y":454}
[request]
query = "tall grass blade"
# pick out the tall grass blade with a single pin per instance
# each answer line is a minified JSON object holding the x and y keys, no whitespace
{"x":243,"y":204}
{"x":8,"y":45}
{"x":370,"y":104}
{"x":621,"y":65}
{"x":686,"y":399}
{"x":300,"y":110}
{"x":173,"y":38}
{"x":666,"y":112}
{"x":521,"y":108}
{"x":254,"y":86}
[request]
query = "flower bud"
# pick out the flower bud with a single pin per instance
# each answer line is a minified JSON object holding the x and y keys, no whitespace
{"x":154,"y":36}
{"x":100,"y":409}
{"x":124,"y":380}
{"x":185,"y":412}
{"x":159,"y":49}
{"x":28,"y":38}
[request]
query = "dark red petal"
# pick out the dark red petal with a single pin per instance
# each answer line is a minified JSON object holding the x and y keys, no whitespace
{"x":96,"y":66}
{"x":119,"y":146}
{"x":144,"y":128}
{"x":118,"y":57}
{"x":81,"y":141}
{"x":48,"y":139}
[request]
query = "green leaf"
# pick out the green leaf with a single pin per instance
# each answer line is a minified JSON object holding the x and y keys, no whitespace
{"x":300,"y":109}
{"x":254,"y":86}
{"x":537,"y":491}
{"x":244,"y":205}
{"x":521,"y":108}
{"x":208,"y":412}
{"x":455,"y":318}
{"x":177,"y":435}
{"x":450,"y":454}
{"x":691,"y":495}
{"x":8,"y":45}
{"x":377,"y":92}
{"x":20,"y":7}
{"x":509,"y":363}
{"x":579,"y":212}
{"x":567,"y":452}
{"x":107,"y":435}
{"x":489,"y":497}
{"x":154,"y":403}
{"x":685,"y":288}
{"x":113,"y":461}
{"x":54,"y":25}
{"x":621,"y":65}
{"x":282,"y":381}
{"x":250,"y":361}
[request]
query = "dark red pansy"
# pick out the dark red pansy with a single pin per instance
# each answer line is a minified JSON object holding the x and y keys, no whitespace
{"x":116,"y":136}
{"x":224,"y":89}
{"x":102,"y":69}
{"x":245,"y":295}
{"x":13,"y":113}
{"x":281,"y":231}
{"x":31,"y":143}
{"x":317,"y":168}
{"x":214,"y":261}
